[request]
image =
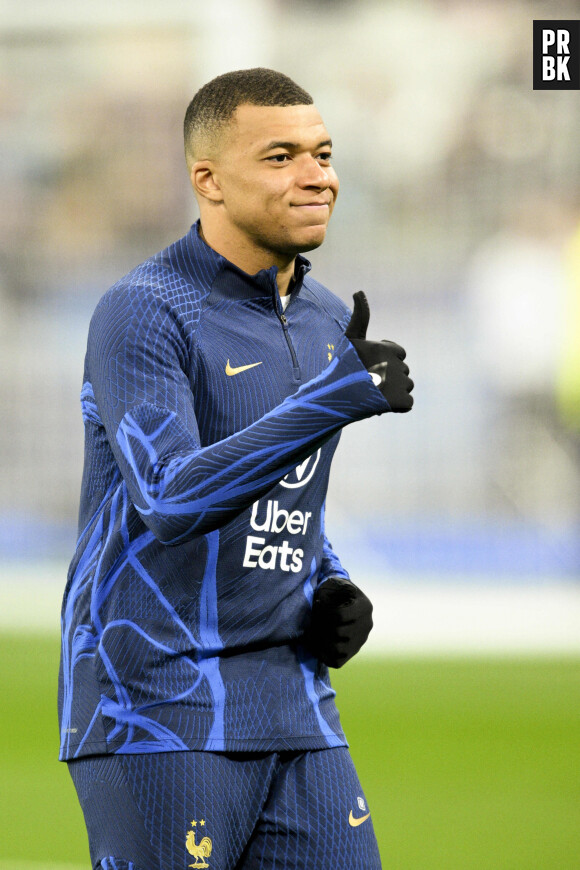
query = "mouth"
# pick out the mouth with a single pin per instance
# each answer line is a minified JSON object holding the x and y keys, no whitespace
{"x":312,"y":205}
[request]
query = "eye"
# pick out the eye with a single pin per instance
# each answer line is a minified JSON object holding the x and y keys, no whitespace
{"x":278,"y":158}
{"x":325,"y":157}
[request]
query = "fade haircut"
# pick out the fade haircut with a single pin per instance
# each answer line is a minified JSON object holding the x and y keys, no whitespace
{"x":215,"y":103}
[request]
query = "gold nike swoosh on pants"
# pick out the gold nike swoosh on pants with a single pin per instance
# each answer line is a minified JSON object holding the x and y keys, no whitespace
{"x":354,"y":823}
{"x":235,"y":370}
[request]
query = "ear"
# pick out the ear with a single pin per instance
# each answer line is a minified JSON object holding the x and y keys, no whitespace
{"x":204,"y":180}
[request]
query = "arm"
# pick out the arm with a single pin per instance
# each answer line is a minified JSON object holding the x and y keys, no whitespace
{"x":137,"y":363}
{"x":341,"y":617}
{"x":330,"y":565}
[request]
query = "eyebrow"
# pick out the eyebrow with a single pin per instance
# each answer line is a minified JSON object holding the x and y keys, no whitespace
{"x":294,"y":146}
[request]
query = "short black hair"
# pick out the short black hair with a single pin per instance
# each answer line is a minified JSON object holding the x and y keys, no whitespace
{"x":215,"y":103}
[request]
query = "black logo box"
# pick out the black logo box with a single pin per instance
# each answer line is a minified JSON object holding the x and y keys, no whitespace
{"x":570,"y":40}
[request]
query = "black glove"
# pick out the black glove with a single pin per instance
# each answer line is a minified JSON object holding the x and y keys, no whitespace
{"x":340,"y":623}
{"x":383,"y":360}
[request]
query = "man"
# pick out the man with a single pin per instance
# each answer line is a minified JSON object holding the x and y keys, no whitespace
{"x":204,"y":601}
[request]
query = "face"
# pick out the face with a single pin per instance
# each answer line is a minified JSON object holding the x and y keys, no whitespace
{"x":274,"y":186}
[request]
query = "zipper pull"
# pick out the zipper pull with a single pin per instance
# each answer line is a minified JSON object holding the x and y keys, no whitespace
{"x":283,"y":319}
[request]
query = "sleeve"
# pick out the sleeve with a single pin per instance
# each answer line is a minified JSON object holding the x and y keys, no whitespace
{"x":330,"y":565}
{"x":137,"y":359}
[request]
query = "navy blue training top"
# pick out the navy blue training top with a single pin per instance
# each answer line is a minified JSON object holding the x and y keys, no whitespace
{"x":211,"y":418}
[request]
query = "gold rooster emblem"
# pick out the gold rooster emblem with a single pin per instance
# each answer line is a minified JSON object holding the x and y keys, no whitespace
{"x":199,"y":850}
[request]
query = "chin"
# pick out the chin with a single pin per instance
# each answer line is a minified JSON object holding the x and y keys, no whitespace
{"x":309,"y":246}
{"x":310,"y":240}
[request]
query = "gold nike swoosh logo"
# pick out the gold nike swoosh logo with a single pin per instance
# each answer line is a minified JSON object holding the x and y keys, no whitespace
{"x":235,"y":370}
{"x":354,"y":823}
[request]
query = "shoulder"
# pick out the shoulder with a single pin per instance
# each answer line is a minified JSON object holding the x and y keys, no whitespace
{"x":159,"y":288}
{"x":316,"y":294}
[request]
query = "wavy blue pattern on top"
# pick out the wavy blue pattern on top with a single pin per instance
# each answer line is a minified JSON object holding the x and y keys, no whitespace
{"x":181,"y":621}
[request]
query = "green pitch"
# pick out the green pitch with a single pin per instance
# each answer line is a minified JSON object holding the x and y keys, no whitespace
{"x":466,"y":763}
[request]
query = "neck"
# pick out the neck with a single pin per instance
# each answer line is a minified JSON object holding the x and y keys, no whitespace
{"x":284,"y":278}
{"x":244,"y":255}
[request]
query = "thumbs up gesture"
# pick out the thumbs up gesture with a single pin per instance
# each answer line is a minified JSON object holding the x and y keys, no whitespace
{"x":384,"y":360}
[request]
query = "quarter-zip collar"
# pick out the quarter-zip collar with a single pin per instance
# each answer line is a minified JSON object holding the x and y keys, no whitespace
{"x":231,"y":282}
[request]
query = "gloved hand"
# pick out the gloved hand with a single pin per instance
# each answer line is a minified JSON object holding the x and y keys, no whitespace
{"x":382,"y":359}
{"x":340,"y":623}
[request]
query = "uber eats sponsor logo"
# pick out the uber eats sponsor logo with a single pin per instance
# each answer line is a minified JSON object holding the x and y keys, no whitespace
{"x":270,"y":518}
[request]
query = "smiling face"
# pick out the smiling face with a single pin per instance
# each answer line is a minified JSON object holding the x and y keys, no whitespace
{"x":268,"y":189}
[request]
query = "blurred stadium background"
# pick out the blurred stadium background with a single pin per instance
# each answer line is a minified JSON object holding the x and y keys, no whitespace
{"x":459,"y":215}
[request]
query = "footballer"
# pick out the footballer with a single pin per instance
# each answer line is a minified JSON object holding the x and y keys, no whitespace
{"x":204,"y":602}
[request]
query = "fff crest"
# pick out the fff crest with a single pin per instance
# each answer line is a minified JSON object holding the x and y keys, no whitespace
{"x":200,"y":850}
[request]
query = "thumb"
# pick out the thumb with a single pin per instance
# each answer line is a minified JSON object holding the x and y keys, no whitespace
{"x":358,"y":324}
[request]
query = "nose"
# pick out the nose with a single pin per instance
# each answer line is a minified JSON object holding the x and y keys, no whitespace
{"x":313,"y":174}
